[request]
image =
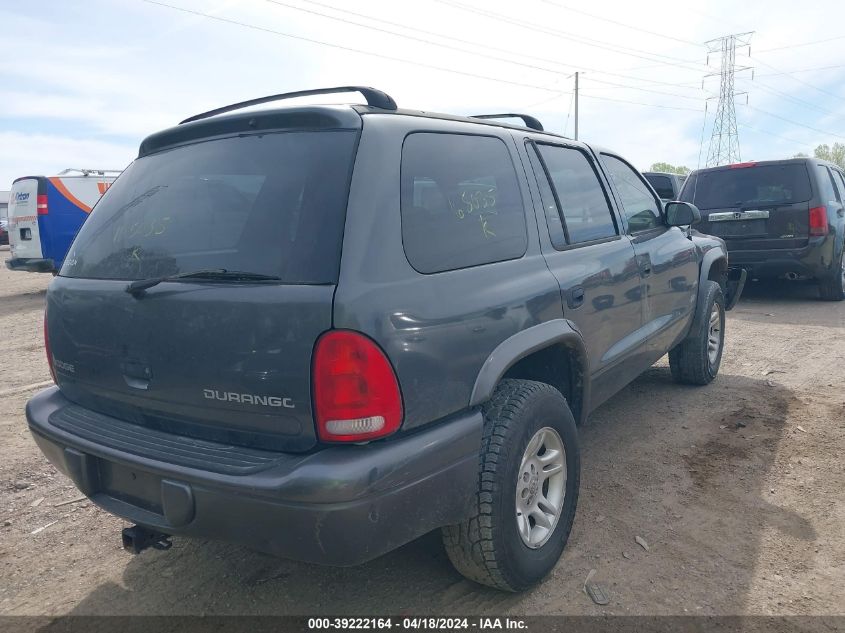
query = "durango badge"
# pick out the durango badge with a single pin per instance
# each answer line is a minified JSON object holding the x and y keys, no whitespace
{"x":248,"y":398}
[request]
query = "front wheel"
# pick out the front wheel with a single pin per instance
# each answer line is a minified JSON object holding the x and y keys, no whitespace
{"x":696,"y":359}
{"x":529,"y":475}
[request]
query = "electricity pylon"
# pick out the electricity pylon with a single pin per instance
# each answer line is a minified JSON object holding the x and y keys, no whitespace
{"x":724,"y":140}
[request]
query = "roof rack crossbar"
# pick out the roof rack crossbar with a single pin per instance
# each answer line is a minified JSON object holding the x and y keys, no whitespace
{"x":530,"y":121}
{"x":374,"y":97}
{"x":86,"y":172}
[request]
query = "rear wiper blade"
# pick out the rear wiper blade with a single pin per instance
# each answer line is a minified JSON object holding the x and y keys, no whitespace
{"x":211,"y":273}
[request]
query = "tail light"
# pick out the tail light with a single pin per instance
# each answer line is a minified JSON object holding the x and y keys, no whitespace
{"x":41,"y":204}
{"x":356,"y":394}
{"x":47,"y":349}
{"x":818,"y":221}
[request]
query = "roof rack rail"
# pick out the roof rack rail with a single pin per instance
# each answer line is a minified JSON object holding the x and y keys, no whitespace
{"x":529,"y":120}
{"x":88,"y":172}
{"x":375,"y":98}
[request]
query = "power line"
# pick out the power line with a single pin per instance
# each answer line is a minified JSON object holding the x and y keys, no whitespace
{"x":759,"y":131}
{"x":406,"y":36}
{"x":342,"y":47}
{"x":657,"y":92}
{"x":784,"y":95}
{"x":811,"y":43}
{"x":568,"y":112}
{"x":544,"y":101}
{"x":802,"y":70}
{"x":432,"y":33}
{"x":701,"y":141}
{"x":534,"y":27}
{"x":799,"y":80}
{"x":582,"y":95}
{"x":777,"y":116}
{"x":622,"y":24}
{"x":777,"y":74}
{"x":390,"y":58}
{"x":639,"y":103}
{"x":451,"y":38}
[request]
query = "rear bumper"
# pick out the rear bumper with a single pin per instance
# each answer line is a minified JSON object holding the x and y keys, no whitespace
{"x":31,"y":265}
{"x":342,"y":505}
{"x":814,"y":260}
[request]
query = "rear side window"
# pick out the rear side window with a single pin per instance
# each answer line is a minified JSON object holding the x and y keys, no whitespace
{"x":547,"y":197}
{"x":662,"y":185}
{"x":460,"y":201}
{"x":728,"y":188}
{"x":583,"y":203}
{"x":641,"y":207}
{"x":827,"y":189}
{"x":840,"y":184}
{"x":273,"y":204}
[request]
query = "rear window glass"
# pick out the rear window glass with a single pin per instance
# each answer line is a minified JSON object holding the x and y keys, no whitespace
{"x":461,"y":204}
{"x":272,"y":204}
{"x":662,"y":185}
{"x":828,"y":192}
{"x":582,"y":199}
{"x":763,"y":184}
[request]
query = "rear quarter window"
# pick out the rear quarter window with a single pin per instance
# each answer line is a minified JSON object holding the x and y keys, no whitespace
{"x":826,"y":187}
{"x":460,"y":202}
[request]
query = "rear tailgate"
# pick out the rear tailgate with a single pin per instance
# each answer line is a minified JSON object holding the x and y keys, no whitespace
{"x":761,"y":226}
{"x":754,"y":206}
{"x":24,"y":235}
{"x":227,"y":363}
{"x":226,"y":355}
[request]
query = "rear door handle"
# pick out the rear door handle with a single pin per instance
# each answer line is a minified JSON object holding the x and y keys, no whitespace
{"x":575,"y":297}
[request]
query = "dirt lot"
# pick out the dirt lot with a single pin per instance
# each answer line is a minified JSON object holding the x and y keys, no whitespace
{"x":737,"y":488}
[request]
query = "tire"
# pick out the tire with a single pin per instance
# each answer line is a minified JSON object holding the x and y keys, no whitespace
{"x":696,"y":359}
{"x":489,"y":547}
{"x":833,"y":287}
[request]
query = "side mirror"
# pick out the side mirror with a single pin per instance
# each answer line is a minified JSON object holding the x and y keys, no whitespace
{"x":682,"y":214}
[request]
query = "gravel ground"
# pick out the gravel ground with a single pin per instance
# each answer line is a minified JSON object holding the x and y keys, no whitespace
{"x":737,"y":488}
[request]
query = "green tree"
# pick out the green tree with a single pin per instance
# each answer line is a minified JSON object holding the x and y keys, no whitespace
{"x":835,"y":154}
{"x":670,"y":169}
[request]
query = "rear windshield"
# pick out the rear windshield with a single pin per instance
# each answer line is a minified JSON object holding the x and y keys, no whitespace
{"x":272,"y":204}
{"x":760,"y":185}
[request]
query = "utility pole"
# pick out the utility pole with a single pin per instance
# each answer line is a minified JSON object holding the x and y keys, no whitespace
{"x":724,"y":140}
{"x":576,"y":105}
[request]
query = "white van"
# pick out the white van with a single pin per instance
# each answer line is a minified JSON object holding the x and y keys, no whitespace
{"x":45,"y":213}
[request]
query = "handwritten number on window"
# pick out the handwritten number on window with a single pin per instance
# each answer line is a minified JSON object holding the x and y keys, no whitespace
{"x":480,"y":203}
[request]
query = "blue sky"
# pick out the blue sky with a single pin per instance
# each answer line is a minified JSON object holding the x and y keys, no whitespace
{"x":83,"y":83}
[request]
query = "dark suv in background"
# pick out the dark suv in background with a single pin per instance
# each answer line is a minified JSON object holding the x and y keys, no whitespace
{"x":667,"y":185}
{"x":779,"y":218}
{"x":323,"y":331}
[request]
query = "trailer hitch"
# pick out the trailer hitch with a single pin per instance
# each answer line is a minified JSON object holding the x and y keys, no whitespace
{"x":136,"y":539}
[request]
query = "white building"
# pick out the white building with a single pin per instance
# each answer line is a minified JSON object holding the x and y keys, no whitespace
{"x":4,"y":205}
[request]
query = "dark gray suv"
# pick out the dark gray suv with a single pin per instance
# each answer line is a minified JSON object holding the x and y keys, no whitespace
{"x":780,"y":218}
{"x":323,"y":331}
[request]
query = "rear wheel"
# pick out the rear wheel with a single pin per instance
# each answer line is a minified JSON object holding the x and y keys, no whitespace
{"x":529,"y":475}
{"x":696,"y":359}
{"x":833,"y":288}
